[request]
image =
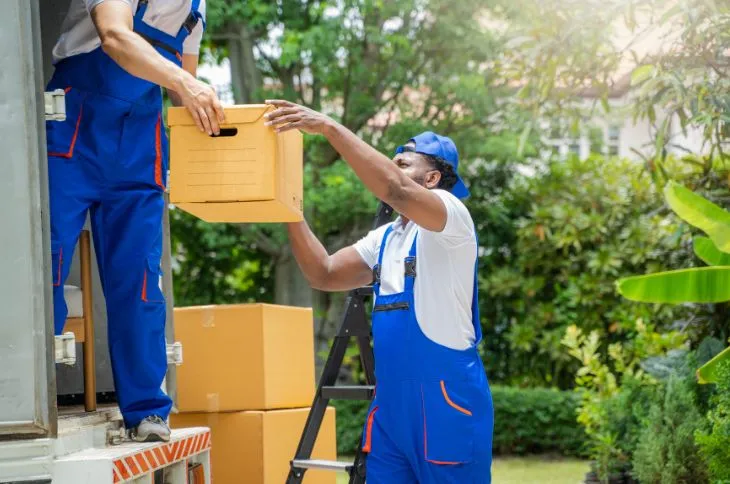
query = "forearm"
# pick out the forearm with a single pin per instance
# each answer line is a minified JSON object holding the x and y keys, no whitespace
{"x":310,"y":254}
{"x":136,"y":56}
{"x":382,"y":177}
{"x":174,"y":98}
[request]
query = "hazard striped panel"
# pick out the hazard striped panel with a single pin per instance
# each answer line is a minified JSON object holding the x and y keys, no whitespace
{"x":148,"y":460}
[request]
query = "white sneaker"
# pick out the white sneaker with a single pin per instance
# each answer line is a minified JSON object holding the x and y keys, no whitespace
{"x":151,"y":429}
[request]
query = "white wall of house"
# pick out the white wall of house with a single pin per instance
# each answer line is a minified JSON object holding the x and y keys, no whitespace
{"x":620,"y":135}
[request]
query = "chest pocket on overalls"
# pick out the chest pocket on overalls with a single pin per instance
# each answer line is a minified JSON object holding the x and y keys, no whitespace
{"x":62,"y":136}
{"x":448,"y":422}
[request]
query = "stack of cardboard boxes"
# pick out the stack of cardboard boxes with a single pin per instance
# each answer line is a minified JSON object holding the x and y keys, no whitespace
{"x":248,"y":370}
{"x":248,"y":374}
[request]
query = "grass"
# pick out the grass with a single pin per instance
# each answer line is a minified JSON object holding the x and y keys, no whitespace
{"x":528,"y":470}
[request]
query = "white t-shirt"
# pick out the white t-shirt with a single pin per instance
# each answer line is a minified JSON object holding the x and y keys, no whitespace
{"x":79,"y":36}
{"x":444,"y":271}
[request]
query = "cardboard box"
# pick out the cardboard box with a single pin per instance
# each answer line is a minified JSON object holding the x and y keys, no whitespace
{"x":256,"y":447}
{"x":245,"y":357}
{"x":246,"y":174}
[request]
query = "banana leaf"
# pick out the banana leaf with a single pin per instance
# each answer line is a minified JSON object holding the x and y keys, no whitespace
{"x":711,"y":255}
{"x":701,"y":213}
{"x":697,"y":285}
{"x":708,"y":372}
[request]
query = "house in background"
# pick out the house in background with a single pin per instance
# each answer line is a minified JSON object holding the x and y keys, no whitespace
{"x":615,"y":133}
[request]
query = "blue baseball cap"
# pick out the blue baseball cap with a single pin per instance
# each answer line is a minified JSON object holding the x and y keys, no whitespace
{"x":430,"y":143}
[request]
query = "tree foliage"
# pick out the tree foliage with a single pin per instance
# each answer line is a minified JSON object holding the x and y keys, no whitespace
{"x":671,"y":58}
{"x":570,"y":232}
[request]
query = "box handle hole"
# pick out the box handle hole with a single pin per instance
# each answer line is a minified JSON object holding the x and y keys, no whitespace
{"x":226,"y":132}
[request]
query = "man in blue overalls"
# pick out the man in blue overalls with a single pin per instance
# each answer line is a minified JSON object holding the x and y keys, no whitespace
{"x":431,"y":420}
{"x":109,"y":158}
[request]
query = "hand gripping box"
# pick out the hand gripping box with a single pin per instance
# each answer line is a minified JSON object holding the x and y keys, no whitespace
{"x":248,"y":173}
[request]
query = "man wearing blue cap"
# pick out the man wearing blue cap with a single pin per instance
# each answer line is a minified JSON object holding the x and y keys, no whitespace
{"x":431,"y":420}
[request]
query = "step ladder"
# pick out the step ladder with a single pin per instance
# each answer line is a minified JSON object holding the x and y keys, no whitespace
{"x":354,"y":324}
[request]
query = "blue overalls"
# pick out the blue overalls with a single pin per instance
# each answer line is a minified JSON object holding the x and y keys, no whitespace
{"x":110,"y":158}
{"x":431,"y":420}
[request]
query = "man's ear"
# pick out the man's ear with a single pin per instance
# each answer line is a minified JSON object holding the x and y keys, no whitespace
{"x":432,"y":179}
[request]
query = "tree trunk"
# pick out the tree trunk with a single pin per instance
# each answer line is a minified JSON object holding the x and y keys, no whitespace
{"x":291,"y":288}
{"x":245,"y":77}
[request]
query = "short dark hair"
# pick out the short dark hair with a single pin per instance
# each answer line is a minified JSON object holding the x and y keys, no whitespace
{"x":448,"y":175}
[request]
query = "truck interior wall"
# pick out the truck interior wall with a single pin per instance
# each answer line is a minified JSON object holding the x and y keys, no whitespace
{"x":26,"y":373}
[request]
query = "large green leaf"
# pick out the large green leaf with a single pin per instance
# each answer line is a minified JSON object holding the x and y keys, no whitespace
{"x":700,"y":212}
{"x":698,"y":285}
{"x":708,"y":372}
{"x":706,"y":250}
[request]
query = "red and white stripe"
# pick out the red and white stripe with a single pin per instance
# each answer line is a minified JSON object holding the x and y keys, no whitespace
{"x":140,"y":463}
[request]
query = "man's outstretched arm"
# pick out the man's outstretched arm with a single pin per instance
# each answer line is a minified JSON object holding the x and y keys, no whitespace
{"x":342,"y":271}
{"x":381,"y":176}
{"x":114,"y":22}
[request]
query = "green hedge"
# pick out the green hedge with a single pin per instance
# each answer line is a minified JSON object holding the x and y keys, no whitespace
{"x":527,"y":421}
{"x":535,"y":421}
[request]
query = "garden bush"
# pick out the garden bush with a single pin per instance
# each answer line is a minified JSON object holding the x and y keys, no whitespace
{"x":527,"y":421}
{"x":715,"y":445}
{"x":667,"y":451}
{"x":536,"y":420}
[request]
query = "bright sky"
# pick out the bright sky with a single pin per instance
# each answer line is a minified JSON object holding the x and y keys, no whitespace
{"x":220,"y":78}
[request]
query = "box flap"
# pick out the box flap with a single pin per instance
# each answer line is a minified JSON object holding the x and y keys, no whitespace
{"x":239,"y":114}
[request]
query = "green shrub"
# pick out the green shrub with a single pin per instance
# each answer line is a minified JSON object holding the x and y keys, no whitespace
{"x":526,"y":421}
{"x":536,"y":420}
{"x":350,"y":420}
{"x":616,"y":389}
{"x":715,"y":445}
{"x":621,"y":415}
{"x":666,"y":451}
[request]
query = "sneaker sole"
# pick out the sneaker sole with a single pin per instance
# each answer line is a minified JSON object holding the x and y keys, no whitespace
{"x":151,"y":438}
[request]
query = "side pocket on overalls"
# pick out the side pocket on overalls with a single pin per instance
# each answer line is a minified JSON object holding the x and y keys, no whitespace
{"x":61,"y":136}
{"x":448,"y":423}
{"x":151,"y":291}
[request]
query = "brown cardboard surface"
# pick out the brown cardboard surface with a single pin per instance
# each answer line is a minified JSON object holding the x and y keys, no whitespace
{"x":252,"y":168}
{"x":244,"y":357}
{"x":255,"y":447}
{"x":243,"y":212}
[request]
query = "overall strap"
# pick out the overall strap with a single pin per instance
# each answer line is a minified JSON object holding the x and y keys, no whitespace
{"x":141,"y":9}
{"x":378,"y":267}
{"x":191,"y":21}
{"x":409,"y":266}
{"x":155,"y":37}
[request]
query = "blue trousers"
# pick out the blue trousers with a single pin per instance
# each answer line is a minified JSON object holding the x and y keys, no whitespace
{"x":109,"y":159}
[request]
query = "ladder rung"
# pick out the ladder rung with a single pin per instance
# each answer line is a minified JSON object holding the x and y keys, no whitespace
{"x":330,"y":465}
{"x":348,"y":392}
